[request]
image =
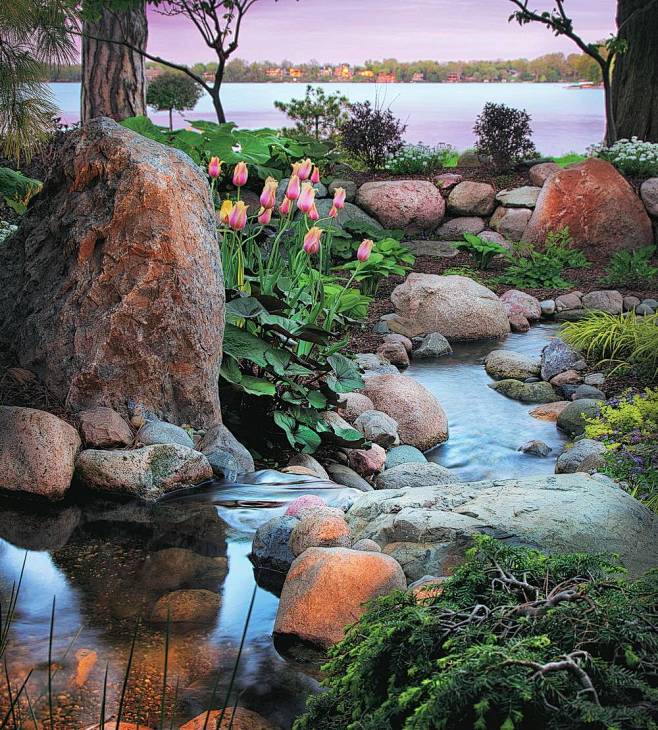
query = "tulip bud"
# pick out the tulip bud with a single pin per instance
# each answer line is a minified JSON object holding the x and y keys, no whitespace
{"x":238,"y":216}
{"x":305,"y":169}
{"x":240,"y":174}
{"x":284,"y":208}
{"x":265,"y":216}
{"x":293,"y":189}
{"x":268,"y":196}
{"x":339,"y":197}
{"x":295,"y":168}
{"x":315,"y":176}
{"x":225,"y":211}
{"x":312,"y":240}
{"x":313,"y":213}
{"x":306,"y":198}
{"x":215,"y":167}
{"x":333,"y":211}
{"x":364,"y":250}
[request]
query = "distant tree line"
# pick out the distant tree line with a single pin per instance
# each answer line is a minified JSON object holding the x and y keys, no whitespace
{"x":553,"y":67}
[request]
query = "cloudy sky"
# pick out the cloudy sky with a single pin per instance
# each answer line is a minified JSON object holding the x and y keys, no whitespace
{"x":356,"y":30}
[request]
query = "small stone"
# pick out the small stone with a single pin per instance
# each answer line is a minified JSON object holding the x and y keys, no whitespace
{"x":86,"y":661}
{"x":160,"y":432}
{"x":367,"y":462}
{"x":396,"y":353}
{"x":630,"y":303}
{"x":557,"y":357}
{"x":342,"y":474}
{"x":540,"y":173}
{"x":427,"y":588}
{"x":588,"y":391}
{"x":454,"y":229}
{"x":405,"y":476}
{"x":594,"y":379}
{"x":318,"y":530}
{"x":568,"y":377}
{"x":381,"y":327}
{"x":649,"y":195}
{"x":376,"y":426}
{"x":526,"y":392}
{"x":447,"y":180}
{"x":549,"y":411}
{"x":352,"y":405}
{"x":572,"y":420}
{"x":373,"y":364}
{"x":586,"y":455}
{"x":366,"y":544}
{"x":527,"y":305}
{"x":270,"y":547}
{"x":644,"y":310}
{"x":524,"y":197}
{"x":219,"y":438}
{"x":186,"y":606}
{"x":432,"y":345}
{"x":653,"y":303}
{"x":405,"y":341}
{"x":536,"y":448}
{"x":307,"y":461}
{"x":547,"y":307}
{"x":102,"y":428}
{"x":518,"y":323}
{"x":404,"y":455}
{"x":510,"y":222}
{"x":495,"y":237}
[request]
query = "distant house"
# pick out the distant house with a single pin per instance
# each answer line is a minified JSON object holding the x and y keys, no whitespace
{"x":153,"y":72}
{"x":366,"y":73}
{"x":417,"y":77}
{"x":454,"y":78}
{"x":386,"y":78}
{"x":326,"y":72}
{"x":274,"y":72}
{"x":295,"y":73}
{"x":343,"y":72}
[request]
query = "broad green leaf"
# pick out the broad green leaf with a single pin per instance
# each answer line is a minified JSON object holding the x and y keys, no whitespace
{"x":244,"y":308}
{"x":230,"y":370}
{"x":346,"y":376}
{"x":242,"y":345}
{"x":257,"y":386}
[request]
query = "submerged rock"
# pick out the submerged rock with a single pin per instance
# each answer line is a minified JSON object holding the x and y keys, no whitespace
{"x":147,"y":473}
{"x":37,"y":452}
{"x":536,"y":448}
{"x":186,"y":606}
{"x":326,"y":590}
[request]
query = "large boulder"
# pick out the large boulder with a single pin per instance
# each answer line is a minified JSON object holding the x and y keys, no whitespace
{"x":112,"y":287}
{"x":573,"y":418}
{"x":456,"y":306}
{"x":649,"y":195}
{"x":37,"y":452}
{"x":326,"y":590}
{"x":558,"y":357}
{"x":421,"y":420}
{"x":147,"y":473}
{"x":598,"y":205}
{"x":558,"y":513}
{"x":472,"y":198}
{"x":415,"y":205}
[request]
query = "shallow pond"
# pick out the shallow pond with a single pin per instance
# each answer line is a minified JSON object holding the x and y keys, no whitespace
{"x":106,"y":564}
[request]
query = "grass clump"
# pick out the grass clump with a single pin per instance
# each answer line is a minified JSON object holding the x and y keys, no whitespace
{"x":620,"y":342}
{"x":516,"y":640}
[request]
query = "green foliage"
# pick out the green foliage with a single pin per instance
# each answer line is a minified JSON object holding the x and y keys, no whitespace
{"x":266,"y":150}
{"x":464,"y":271}
{"x":388,"y":257}
{"x":516,"y":640}
{"x":629,"y":428}
{"x":568,"y":159}
{"x":617,"y":341}
{"x":33,"y":35}
{"x":482,"y":251}
{"x":173,"y":91}
{"x":16,"y":189}
{"x":632,"y":268}
{"x":542,"y":269}
{"x":317,"y":115}
{"x":503,"y":136}
{"x":371,"y":134}
{"x":420,"y":159}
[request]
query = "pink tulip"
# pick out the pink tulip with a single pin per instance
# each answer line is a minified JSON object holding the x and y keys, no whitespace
{"x":315,"y":176}
{"x":365,"y":249}
{"x":215,"y":167}
{"x":293,"y":189}
{"x":268,"y":196}
{"x":313,"y":213}
{"x":240,"y":174}
{"x":295,"y":168}
{"x":265,"y":216}
{"x":333,"y":211}
{"x":237,"y":219}
{"x":339,"y":198}
{"x":305,"y":169}
{"x":306,"y":198}
{"x":312,"y":240}
{"x":284,"y":208}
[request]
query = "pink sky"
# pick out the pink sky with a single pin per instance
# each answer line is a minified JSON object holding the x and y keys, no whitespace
{"x":355,"y":30}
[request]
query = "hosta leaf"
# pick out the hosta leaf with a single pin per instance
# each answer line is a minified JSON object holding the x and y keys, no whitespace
{"x":244,"y":308}
{"x":242,"y":345}
{"x":257,"y":386}
{"x":346,"y":376}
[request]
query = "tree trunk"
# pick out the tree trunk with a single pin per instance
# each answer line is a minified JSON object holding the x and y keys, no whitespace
{"x":217,"y":103}
{"x":113,"y":79}
{"x":635,"y":76}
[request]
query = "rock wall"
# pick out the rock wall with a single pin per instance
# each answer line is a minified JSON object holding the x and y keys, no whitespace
{"x":112,"y":287}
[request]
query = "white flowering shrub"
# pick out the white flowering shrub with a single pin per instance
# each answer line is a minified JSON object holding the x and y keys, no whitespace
{"x":419,"y":158}
{"x":6,"y":229}
{"x":632,"y":156}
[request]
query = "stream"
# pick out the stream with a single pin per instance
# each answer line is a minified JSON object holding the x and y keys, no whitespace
{"x":106,"y":563}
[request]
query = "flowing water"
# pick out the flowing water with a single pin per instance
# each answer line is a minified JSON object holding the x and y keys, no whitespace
{"x":564,"y":119}
{"x":107,"y":563}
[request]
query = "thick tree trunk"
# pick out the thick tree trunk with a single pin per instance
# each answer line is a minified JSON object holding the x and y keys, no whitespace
{"x":217,"y":104}
{"x":113,"y":80}
{"x":635,"y":76}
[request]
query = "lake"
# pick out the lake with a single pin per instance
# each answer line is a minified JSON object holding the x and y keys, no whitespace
{"x":563,"y":119}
